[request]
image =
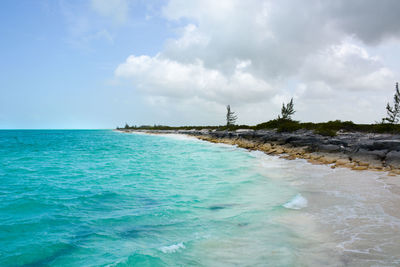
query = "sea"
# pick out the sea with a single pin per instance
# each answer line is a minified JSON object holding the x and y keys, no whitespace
{"x":106,"y":198}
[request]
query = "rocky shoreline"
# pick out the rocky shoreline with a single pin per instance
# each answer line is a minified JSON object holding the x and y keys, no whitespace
{"x":354,"y":150}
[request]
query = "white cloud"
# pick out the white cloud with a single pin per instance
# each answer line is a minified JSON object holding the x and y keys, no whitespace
{"x":165,"y":77}
{"x":255,"y":54}
{"x":346,"y":67}
{"x":117,"y":10}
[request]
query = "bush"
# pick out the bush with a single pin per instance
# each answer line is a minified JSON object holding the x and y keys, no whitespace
{"x":275,"y":124}
{"x":325,"y":132}
{"x":339,"y":125}
{"x":289,"y":126}
{"x":385,"y":128}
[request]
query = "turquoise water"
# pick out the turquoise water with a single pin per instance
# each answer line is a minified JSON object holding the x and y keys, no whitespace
{"x":103,"y":198}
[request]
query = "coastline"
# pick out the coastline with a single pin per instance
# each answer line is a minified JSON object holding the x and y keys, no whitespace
{"x":352,"y":150}
{"x":344,"y":217}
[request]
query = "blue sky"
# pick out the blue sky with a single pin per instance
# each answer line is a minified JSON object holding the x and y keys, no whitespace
{"x":57,"y":67}
{"x":101,"y":63}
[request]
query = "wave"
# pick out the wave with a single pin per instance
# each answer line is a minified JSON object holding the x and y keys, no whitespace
{"x":173,"y":248}
{"x":296,"y":203}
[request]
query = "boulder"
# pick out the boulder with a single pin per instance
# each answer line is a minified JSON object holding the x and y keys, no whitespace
{"x":327,"y":160}
{"x":342,"y":161}
{"x":360,"y":168}
{"x":372,"y":157}
{"x":386,"y":144}
{"x":393,"y":159}
{"x":329,"y":148}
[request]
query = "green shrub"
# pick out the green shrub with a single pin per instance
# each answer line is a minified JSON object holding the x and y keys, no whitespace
{"x":339,"y":125}
{"x":289,"y":126}
{"x":325,"y":132}
{"x":385,"y":128}
{"x":276,"y":124}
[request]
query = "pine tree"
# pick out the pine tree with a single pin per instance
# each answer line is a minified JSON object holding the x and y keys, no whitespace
{"x":393,"y":112}
{"x":230,"y":116}
{"x":287,"y":110}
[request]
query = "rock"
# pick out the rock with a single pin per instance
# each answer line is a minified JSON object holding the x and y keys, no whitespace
{"x":246,"y":134}
{"x":292,"y":139}
{"x":393,"y":159}
{"x":366,"y":164}
{"x":315,"y":156}
{"x":360,"y":168}
{"x":329,"y":148}
{"x":370,"y":157}
{"x":313,"y":161}
{"x":265,"y":147}
{"x":364,"y":150}
{"x":310,"y":141}
{"x":289,"y":157}
{"x":342,"y":161}
{"x":349,"y":165}
{"x":396,"y":171}
{"x":337,"y":142}
{"x":386,"y":144}
{"x":327,"y":160}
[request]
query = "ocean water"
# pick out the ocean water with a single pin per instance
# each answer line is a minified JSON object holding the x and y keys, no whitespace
{"x":104,"y":198}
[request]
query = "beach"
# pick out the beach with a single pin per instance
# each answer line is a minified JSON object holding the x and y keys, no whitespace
{"x":353,"y":150}
{"x":351,"y":216}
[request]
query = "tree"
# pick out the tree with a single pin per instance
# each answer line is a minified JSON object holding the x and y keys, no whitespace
{"x":287,"y":110}
{"x":126,"y":126}
{"x":230,"y":116}
{"x":393,"y":112}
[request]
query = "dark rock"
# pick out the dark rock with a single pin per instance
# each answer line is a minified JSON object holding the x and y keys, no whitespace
{"x":365,"y":147}
{"x":329,"y":148}
{"x":386,"y":144}
{"x":246,"y":135}
{"x":393,"y":159}
{"x":220,"y":134}
{"x":337,"y":142}
{"x":307,"y":141}
{"x":372,"y":157}
{"x":292,"y":138}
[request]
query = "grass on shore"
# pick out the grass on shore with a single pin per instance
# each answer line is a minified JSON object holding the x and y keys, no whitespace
{"x":329,"y":128}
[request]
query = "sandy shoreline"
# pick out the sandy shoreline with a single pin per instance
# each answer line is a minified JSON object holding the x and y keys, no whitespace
{"x":389,"y":175}
{"x":352,"y":213}
{"x":290,"y":152}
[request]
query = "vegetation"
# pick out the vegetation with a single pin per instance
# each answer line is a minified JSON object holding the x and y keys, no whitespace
{"x":287,"y":111}
{"x":230,"y":116}
{"x":325,"y":132}
{"x":329,"y":128}
{"x":393,"y":112}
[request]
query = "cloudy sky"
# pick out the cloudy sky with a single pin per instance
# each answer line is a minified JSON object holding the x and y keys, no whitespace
{"x":101,"y":63}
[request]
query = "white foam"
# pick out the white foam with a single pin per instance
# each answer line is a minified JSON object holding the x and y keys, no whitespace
{"x":136,"y":132}
{"x":179,"y":136}
{"x":296,"y":203}
{"x":258,"y":154}
{"x":176,"y":136}
{"x":173,"y":248}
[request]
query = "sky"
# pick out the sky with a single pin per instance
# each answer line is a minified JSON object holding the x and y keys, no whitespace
{"x":73,"y":64}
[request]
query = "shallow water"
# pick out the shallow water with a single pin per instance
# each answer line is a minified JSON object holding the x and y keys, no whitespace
{"x":90,"y":198}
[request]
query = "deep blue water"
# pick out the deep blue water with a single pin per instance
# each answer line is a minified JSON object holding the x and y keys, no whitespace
{"x":103,"y":198}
